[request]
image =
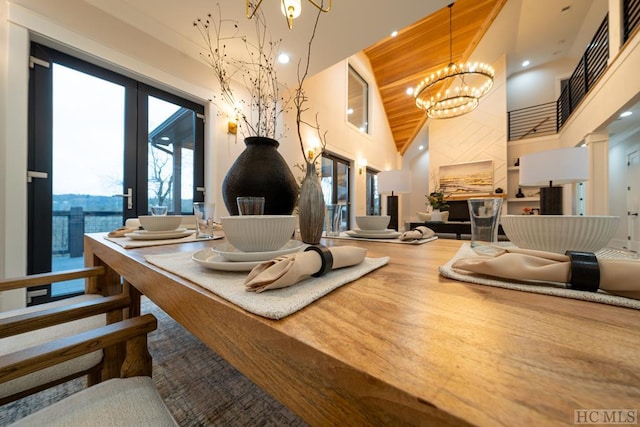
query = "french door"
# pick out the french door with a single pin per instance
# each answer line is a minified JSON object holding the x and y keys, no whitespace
{"x":102,"y":148}
{"x":335,"y":185}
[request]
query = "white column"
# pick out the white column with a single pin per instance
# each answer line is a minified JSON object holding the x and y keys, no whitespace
{"x":597,"y":187}
{"x":616,"y":28}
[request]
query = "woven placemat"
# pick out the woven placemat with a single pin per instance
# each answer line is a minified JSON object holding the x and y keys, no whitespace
{"x":555,"y":289}
{"x":274,"y":304}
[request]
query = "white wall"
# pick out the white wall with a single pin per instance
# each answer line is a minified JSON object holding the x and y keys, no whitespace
{"x":538,"y":85}
{"x":4,"y":58}
{"x":479,"y":135}
{"x":327,"y":92}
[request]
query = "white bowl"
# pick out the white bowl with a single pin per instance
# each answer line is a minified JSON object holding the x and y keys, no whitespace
{"x":258,"y":233}
{"x":373,"y":222}
{"x":560,"y":233}
{"x":160,"y":223}
{"x":426,"y":217}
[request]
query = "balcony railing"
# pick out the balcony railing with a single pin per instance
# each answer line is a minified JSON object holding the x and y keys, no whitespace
{"x":549,"y":118}
{"x":533,"y":121}
{"x":69,"y":227}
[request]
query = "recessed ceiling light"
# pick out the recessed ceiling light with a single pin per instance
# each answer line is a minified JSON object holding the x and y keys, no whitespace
{"x":409,"y":91}
{"x":421,"y":147}
{"x":283,"y":58}
{"x":349,"y":110}
{"x":394,"y":33}
{"x":526,"y":62}
{"x":165,"y":138}
{"x":626,"y":114}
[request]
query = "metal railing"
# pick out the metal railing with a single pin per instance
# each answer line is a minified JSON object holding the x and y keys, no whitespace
{"x":545,"y":119}
{"x":631,"y":12}
{"x":533,"y":121}
{"x":70,"y":226}
{"x":591,"y":67}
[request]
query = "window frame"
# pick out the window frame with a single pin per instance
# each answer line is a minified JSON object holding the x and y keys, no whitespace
{"x":352,"y":72}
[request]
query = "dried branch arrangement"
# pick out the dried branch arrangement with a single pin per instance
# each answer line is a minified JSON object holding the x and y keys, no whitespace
{"x":256,"y":71}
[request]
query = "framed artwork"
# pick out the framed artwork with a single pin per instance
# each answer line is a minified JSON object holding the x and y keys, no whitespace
{"x":467,"y":178}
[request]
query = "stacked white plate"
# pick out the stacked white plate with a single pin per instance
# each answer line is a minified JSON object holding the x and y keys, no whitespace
{"x":374,"y":234}
{"x":226,"y":257}
{"x":159,"y":235}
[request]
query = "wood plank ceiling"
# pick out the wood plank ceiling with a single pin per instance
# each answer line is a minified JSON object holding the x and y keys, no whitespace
{"x":403,"y":61}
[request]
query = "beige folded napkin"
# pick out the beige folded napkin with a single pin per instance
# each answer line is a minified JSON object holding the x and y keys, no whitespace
{"x":418,"y":233}
{"x":617,"y":276}
{"x":289,"y":269}
{"x":120,"y":232}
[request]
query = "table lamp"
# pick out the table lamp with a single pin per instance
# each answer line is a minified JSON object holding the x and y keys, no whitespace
{"x":396,"y":181}
{"x":554,"y":167}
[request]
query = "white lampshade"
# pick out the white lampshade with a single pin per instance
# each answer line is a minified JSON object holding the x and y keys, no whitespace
{"x":561,"y":166}
{"x":396,"y":181}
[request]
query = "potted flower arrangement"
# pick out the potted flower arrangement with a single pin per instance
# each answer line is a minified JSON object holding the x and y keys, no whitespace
{"x":436,"y":200}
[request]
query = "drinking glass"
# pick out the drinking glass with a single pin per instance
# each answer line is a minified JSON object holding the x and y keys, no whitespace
{"x":250,"y":205}
{"x":159,"y":210}
{"x":485,"y":219}
{"x":204,"y":215}
{"x":334,"y":218}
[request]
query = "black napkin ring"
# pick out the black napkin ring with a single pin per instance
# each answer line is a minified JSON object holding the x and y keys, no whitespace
{"x":325,"y":256}
{"x":585,"y":271}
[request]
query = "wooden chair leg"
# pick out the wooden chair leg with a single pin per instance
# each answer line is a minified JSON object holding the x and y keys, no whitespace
{"x":113,"y":359}
{"x":94,"y":377}
{"x":138,"y":361}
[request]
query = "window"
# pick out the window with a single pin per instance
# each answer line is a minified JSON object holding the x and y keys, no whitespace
{"x":335,"y":185}
{"x":373,"y":197}
{"x":358,"y":102}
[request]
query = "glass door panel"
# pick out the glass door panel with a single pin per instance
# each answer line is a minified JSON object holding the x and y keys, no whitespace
{"x":95,"y":134}
{"x":87,"y":165}
{"x":170,"y":162}
{"x":335,"y":185}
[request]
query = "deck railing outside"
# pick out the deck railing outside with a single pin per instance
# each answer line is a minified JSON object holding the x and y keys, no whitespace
{"x":69,"y":227}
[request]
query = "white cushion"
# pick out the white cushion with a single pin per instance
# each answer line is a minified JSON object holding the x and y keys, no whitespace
{"x":29,"y":339}
{"x":116,"y":402}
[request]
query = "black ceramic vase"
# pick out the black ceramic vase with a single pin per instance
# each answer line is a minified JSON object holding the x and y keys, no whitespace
{"x":260,"y":170}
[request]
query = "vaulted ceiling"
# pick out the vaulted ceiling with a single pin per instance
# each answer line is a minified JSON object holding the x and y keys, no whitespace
{"x":403,"y":61}
{"x":539,"y":30}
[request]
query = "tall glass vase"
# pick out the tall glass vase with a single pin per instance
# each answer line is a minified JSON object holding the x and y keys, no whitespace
{"x":311,"y":207}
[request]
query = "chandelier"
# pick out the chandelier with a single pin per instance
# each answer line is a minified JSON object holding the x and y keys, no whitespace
{"x":290,"y":8}
{"x":454,"y":90}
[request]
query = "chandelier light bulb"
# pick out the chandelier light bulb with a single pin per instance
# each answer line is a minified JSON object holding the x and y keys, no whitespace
{"x":291,"y":9}
{"x":463,"y":84}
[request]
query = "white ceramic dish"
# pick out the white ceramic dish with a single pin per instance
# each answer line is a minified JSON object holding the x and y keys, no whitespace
{"x":159,"y":233}
{"x":159,"y":236}
{"x":387,"y":231}
{"x":160,"y":223}
{"x":559,"y":233}
{"x":257,"y":233}
{"x":373,"y":222}
{"x":231,"y":253}
{"x":363,"y":234}
{"x":213,"y":261}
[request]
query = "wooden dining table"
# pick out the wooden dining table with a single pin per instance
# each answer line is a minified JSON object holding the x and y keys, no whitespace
{"x":403,"y":345}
